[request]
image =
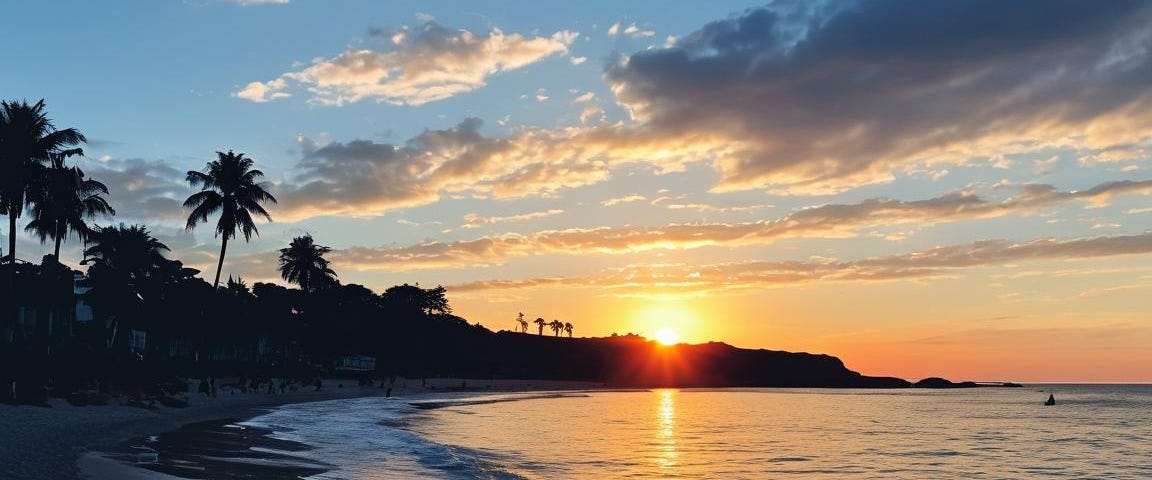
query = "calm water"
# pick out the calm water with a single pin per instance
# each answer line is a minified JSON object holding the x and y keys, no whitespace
{"x":1096,"y":431}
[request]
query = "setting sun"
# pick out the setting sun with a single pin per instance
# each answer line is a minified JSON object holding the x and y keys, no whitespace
{"x":667,"y":336}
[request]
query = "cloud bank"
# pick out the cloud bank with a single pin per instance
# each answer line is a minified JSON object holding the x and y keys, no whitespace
{"x":826,"y":221}
{"x":820,"y":99}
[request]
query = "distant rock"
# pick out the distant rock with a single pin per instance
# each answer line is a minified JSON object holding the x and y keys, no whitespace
{"x":937,"y":382}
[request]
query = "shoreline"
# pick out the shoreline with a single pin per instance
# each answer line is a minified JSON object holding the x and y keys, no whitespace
{"x":62,"y":441}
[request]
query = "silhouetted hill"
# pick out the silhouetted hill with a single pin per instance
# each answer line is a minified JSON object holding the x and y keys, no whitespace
{"x":631,"y":361}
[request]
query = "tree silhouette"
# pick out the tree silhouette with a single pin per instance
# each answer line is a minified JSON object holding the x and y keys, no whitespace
{"x":556,"y":327}
{"x":125,"y":263}
{"x":303,"y":263}
{"x":568,"y":328}
{"x":230,"y":186}
{"x":523,"y":323}
{"x":237,"y":287}
{"x":27,"y":140}
{"x":539,"y":325}
{"x":65,"y":201}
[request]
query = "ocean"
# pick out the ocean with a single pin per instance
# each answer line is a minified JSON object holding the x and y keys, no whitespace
{"x":1094,"y":431}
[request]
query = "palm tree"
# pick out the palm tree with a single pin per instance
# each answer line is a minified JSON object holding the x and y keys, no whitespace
{"x":303,"y":263}
{"x":131,"y":251}
{"x":230,"y":186}
{"x":556,"y":327}
{"x":66,"y":200}
{"x":124,"y":263}
{"x":523,"y":323}
{"x":237,"y":287}
{"x":568,"y":328}
{"x":27,"y":140}
{"x":539,"y":325}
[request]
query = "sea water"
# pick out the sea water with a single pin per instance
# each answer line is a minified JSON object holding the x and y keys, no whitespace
{"x":1094,"y":431}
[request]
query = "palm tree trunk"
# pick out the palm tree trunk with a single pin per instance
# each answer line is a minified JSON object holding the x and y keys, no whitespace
{"x":13,"y":316}
{"x":58,"y":239}
{"x":219,"y":266}
{"x":12,"y":243}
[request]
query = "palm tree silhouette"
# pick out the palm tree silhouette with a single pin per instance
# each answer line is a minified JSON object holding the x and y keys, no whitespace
{"x":130,"y":250}
{"x":66,"y":200}
{"x":568,"y":328}
{"x":523,"y":323}
{"x":124,"y":262}
{"x":303,"y":263}
{"x":540,"y":325}
{"x":230,"y":186}
{"x":556,"y":327}
{"x":27,"y":140}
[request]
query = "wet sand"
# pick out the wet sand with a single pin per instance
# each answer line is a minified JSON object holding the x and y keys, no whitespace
{"x":66,"y":442}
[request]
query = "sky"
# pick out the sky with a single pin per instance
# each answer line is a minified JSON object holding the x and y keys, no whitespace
{"x":955,"y":189}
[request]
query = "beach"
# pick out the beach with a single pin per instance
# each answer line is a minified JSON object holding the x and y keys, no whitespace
{"x":56,"y":441}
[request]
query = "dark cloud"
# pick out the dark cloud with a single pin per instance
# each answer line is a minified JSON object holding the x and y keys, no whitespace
{"x":141,"y":190}
{"x":820,"y":99}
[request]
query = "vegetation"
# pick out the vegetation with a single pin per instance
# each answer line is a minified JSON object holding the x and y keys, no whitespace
{"x":231,"y":187}
{"x":303,"y":263}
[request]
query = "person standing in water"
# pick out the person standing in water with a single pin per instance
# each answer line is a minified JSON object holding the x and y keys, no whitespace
{"x":1051,"y":400}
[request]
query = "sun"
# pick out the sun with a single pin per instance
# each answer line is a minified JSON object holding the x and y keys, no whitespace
{"x":667,"y":336}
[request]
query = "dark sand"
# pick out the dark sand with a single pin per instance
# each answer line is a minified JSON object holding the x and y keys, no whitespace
{"x":66,"y":442}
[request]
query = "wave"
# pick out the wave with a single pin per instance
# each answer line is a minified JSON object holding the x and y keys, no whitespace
{"x":433,"y":404}
{"x":364,"y":438}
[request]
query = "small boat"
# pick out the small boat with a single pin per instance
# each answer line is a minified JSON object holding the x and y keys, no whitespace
{"x":1051,"y":401}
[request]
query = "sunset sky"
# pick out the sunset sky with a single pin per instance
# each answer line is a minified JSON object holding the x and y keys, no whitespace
{"x":961,"y":189}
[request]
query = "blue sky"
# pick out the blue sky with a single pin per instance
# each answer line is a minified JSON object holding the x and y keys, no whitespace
{"x":857,"y":178}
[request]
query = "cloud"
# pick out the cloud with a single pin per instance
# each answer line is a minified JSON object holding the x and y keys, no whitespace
{"x":826,"y":221}
{"x":262,"y":92}
{"x":818,"y":98}
{"x":141,"y":190}
{"x":590,"y":108}
{"x":630,"y":30}
{"x":936,"y":262}
{"x":259,"y":2}
{"x":365,"y":178}
{"x":473,"y":220}
{"x":416,"y":66}
{"x":625,"y":199}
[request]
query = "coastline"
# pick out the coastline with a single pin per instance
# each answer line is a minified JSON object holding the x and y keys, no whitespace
{"x":62,"y":441}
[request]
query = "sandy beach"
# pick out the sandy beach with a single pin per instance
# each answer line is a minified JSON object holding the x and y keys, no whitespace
{"x":38,"y":442}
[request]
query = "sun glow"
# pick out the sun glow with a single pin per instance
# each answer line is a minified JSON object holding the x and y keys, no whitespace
{"x":667,"y":336}
{"x":667,"y":323}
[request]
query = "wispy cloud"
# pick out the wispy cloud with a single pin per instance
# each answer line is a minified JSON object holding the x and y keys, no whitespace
{"x":625,"y":199}
{"x":630,"y":30}
{"x":416,"y":66}
{"x":826,"y":221}
{"x":473,"y":220}
{"x":936,"y":262}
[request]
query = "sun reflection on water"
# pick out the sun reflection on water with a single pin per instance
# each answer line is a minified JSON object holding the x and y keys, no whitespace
{"x":666,"y":429}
